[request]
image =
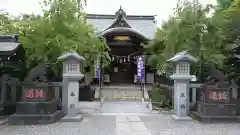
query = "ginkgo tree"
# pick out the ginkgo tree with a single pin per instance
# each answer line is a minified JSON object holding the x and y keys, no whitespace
{"x":61,"y":28}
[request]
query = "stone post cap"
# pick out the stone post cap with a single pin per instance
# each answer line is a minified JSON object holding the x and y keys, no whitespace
{"x":68,"y":55}
{"x":233,"y":84}
{"x":183,"y":57}
{"x":194,"y":78}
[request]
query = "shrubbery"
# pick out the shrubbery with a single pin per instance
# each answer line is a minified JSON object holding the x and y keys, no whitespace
{"x":161,"y":97}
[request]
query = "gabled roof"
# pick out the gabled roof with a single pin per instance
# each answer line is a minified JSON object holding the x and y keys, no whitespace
{"x":120,"y":20}
{"x":144,"y":25}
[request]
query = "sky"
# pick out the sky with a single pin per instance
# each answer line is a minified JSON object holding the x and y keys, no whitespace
{"x":161,"y":8}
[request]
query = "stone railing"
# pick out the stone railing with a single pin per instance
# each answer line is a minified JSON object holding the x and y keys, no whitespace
{"x":193,"y":90}
{"x":145,"y":94}
{"x":193,"y":87}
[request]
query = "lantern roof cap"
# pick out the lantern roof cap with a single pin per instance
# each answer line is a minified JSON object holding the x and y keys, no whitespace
{"x":69,"y":55}
{"x":183,"y":57}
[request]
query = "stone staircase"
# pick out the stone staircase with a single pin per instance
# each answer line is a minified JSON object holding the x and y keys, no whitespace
{"x":131,"y":93}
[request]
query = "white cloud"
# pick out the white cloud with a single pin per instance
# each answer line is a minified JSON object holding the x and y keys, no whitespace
{"x":161,"y":8}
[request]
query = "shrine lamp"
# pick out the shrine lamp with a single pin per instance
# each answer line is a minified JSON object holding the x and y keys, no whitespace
{"x":182,"y":63}
{"x":73,"y":63}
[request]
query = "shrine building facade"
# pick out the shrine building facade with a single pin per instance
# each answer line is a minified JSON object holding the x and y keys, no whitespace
{"x":125,"y":35}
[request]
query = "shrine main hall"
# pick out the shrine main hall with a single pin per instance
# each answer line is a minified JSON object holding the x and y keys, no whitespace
{"x":125,"y":35}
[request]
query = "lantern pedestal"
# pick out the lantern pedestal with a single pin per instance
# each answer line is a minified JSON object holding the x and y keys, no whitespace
{"x":175,"y":117}
{"x":73,"y":118}
{"x":181,"y":97}
{"x":71,"y":98}
{"x":38,"y":106}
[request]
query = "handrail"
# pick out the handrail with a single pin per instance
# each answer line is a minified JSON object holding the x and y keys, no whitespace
{"x":144,"y":91}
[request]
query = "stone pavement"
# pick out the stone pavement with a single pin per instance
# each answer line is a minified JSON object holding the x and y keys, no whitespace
{"x":124,"y":107}
{"x":115,"y":119}
{"x":130,"y":125}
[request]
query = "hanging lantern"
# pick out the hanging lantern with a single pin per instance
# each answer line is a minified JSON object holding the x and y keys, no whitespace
{"x":128,"y":58}
{"x":120,"y":60}
{"x":124,"y":60}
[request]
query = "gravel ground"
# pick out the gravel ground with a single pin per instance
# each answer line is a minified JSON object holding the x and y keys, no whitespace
{"x":93,"y":125}
{"x":115,"y":114}
{"x":106,"y":125}
{"x":165,"y":125}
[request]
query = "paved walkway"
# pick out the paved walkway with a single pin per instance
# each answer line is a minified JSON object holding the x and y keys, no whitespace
{"x":130,"y":125}
{"x":124,"y":107}
{"x":110,"y":122}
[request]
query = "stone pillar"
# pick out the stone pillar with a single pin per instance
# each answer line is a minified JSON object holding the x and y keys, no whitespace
{"x":13,"y":84}
{"x":13,"y":93}
{"x":3,"y":92}
{"x":3,"y":79}
{"x":194,"y":96}
{"x":57,"y":93}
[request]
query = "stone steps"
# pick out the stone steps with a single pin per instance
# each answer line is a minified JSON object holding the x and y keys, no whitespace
{"x":122,"y":93}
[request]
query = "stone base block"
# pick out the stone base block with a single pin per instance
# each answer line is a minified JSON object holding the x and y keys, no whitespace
{"x":77,"y":118}
{"x":175,"y":117}
{"x":48,"y":107}
{"x":216,"y":109}
{"x":211,"y":119}
{"x":35,"y":119}
{"x":9,"y":108}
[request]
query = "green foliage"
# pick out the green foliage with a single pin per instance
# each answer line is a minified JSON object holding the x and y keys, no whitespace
{"x":223,"y":4}
{"x":189,"y":29}
{"x":160,"y":97}
{"x":230,"y":24}
{"x":62,"y":28}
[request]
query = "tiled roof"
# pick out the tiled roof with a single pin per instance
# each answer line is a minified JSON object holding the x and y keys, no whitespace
{"x":8,"y":44}
{"x":145,"y":25}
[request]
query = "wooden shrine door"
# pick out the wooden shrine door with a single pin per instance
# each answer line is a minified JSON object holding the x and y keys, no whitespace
{"x":122,"y":73}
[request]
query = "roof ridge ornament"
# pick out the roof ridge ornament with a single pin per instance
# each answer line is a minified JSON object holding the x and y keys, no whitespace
{"x":120,"y":11}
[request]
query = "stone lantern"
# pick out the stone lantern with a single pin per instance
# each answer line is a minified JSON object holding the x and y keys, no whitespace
{"x":181,"y":77}
{"x":73,"y":65}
